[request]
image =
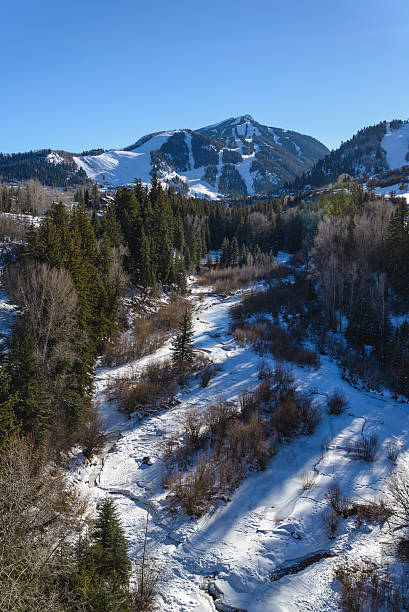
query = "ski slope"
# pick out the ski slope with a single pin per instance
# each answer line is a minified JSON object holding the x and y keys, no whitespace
{"x":270,"y":522}
{"x":396,"y":145}
{"x":118,"y":167}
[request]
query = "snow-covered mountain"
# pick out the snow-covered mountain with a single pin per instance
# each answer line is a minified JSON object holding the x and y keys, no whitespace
{"x":372,"y":151}
{"x":238,"y":156}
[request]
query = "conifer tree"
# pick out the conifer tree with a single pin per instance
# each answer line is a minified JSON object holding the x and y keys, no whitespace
{"x":7,"y":417}
{"x":182,"y":346}
{"x":112,"y":560}
{"x":146,"y":273}
{"x":234,"y":248}
{"x":225,"y":255}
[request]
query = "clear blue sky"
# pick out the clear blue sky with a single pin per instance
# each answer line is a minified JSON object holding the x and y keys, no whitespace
{"x":99,"y":73}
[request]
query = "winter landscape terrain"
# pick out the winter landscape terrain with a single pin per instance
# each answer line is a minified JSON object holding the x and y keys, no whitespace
{"x":273,"y":523}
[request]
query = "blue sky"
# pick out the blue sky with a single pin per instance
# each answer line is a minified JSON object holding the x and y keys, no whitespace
{"x":96,"y":73}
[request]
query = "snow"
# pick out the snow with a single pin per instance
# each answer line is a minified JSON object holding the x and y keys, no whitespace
{"x":297,"y":148}
{"x":276,"y":138}
{"x":55,"y":158}
{"x":396,"y":145}
{"x":387,"y":190}
{"x":246,"y":128}
{"x":270,"y":520}
{"x":117,"y":167}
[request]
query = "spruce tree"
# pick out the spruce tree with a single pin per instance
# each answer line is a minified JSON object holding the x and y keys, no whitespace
{"x":182,"y":346}
{"x":234,"y":248}
{"x":7,"y":417}
{"x":112,"y":560}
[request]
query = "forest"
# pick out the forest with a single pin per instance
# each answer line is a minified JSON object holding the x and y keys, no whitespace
{"x":75,"y":278}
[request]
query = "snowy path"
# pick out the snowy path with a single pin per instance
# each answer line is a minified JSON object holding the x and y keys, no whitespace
{"x":270,"y":522}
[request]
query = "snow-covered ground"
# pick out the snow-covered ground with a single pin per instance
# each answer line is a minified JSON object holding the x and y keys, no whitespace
{"x":270,"y":521}
{"x":117,"y":167}
{"x":387,"y":190}
{"x":396,"y":145}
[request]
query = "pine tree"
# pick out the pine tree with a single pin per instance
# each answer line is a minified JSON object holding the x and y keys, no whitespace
{"x":32,"y":404}
{"x":244,"y":255}
{"x":112,"y":560}
{"x":398,"y":248}
{"x":7,"y":417}
{"x":182,"y":346}
{"x":234,"y":249}
{"x":146,"y":271}
{"x":225,"y":255}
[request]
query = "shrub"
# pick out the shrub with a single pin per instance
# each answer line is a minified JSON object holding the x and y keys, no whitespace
{"x":330,"y":522}
{"x":283,"y":377}
{"x":207,"y":374}
{"x":398,"y":488}
{"x":92,"y":438}
{"x":139,"y":396}
{"x":365,"y":587}
{"x":168,"y":316}
{"x":194,"y":491}
{"x":193,"y":427}
{"x":141,"y":340}
{"x":307,"y":480}
{"x":286,"y":418}
{"x":310,"y":415}
{"x":402,"y":549}
{"x":336,"y":402}
{"x":340,"y":504}
{"x":247,"y":442}
{"x":364,"y":447}
{"x":374,"y":511}
{"x":392,"y":451}
{"x":217,"y":417}
{"x":225,"y":280}
{"x":263,"y":336}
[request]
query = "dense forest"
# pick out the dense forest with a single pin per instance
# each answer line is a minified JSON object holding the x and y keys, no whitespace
{"x":36,"y":165}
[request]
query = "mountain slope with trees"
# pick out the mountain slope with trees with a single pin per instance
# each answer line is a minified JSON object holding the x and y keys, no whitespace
{"x":372,"y":151}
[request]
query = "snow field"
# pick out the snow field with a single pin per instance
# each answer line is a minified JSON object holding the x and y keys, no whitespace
{"x":396,"y":145}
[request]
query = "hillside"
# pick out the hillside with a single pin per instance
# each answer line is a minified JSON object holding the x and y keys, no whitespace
{"x":237,"y":157}
{"x":52,"y":168}
{"x":372,"y":151}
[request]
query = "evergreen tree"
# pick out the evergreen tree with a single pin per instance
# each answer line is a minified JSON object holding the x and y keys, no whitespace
{"x":27,"y":384}
{"x":146,"y":272}
{"x":234,"y":249}
{"x":244,"y":255}
{"x":225,"y":255}
{"x":111,"y":554}
{"x":398,"y":248}
{"x":7,"y":417}
{"x":182,"y":346}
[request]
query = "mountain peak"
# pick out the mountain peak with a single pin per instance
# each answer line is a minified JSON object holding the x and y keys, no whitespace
{"x":246,"y":118}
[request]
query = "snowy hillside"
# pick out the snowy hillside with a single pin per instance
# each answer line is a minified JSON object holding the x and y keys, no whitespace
{"x":238,"y":156}
{"x":372,"y":151}
{"x":265,"y":548}
{"x":396,"y":145}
